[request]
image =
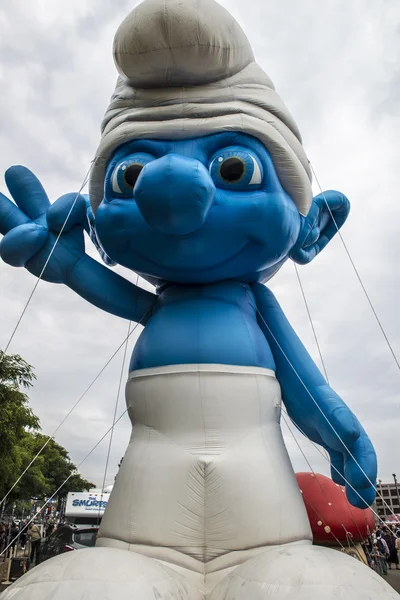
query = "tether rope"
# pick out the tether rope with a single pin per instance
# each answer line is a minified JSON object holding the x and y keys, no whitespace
{"x":356,"y":271}
{"x":311,"y":323}
{"x":47,"y":262}
{"x":115,"y":415}
{"x":312,"y":327}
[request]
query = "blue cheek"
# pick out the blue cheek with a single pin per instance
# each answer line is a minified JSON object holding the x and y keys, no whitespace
{"x":114,"y":219}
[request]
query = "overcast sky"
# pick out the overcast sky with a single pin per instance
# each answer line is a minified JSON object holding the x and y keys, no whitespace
{"x":337,"y":66}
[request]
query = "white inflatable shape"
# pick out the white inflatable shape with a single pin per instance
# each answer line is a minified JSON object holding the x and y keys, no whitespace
{"x":205,"y":505}
{"x":297,"y":571}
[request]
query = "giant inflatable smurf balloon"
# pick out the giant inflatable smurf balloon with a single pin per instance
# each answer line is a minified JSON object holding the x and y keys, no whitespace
{"x":201,"y":185}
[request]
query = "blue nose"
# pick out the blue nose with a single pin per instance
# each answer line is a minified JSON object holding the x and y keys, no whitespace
{"x":174,"y":194}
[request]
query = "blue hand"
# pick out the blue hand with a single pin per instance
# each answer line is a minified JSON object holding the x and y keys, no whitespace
{"x":31,"y":226}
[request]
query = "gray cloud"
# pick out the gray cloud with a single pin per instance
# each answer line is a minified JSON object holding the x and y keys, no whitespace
{"x":336,"y":66}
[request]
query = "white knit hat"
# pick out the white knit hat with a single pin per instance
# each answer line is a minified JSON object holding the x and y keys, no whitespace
{"x":187,"y":70}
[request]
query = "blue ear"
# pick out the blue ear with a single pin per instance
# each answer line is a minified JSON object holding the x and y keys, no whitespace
{"x":327,"y":214}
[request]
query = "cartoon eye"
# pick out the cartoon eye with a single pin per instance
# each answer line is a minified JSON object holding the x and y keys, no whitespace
{"x":126,"y":173}
{"x":236,"y":168}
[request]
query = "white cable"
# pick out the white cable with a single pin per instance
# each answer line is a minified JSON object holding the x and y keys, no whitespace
{"x":356,"y":271}
{"x":47,"y":262}
{"x":116,"y":405}
{"x":65,"y":481}
{"x":315,"y":402}
{"x":72,"y":409}
{"x":311,"y":322}
{"x":312,"y":326}
{"x":114,"y":415}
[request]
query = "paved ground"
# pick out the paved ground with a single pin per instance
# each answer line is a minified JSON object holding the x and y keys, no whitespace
{"x":3,"y":573}
{"x":393,"y":578}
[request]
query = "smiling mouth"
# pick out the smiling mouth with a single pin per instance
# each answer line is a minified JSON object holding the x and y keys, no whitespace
{"x":207,"y":267}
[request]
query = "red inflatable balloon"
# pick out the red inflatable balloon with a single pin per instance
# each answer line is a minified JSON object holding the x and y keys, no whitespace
{"x":331,"y":516}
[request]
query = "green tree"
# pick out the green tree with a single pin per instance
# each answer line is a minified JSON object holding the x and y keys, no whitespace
{"x":16,"y":418}
{"x":20,"y":442}
{"x":49,"y":471}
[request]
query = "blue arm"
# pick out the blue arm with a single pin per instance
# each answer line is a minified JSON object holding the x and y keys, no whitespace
{"x":109,"y":291}
{"x":314,"y":407}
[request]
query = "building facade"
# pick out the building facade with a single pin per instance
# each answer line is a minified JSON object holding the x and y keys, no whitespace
{"x":388,"y":499}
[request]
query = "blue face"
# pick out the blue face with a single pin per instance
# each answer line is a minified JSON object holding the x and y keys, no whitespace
{"x":196,"y":211}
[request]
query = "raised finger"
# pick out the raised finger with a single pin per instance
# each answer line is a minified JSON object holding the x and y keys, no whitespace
{"x":27,"y":191}
{"x":10,"y":215}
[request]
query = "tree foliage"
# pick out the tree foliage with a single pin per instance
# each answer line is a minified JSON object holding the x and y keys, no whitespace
{"x":21,"y":441}
{"x":51,"y":469}
{"x":16,"y":417}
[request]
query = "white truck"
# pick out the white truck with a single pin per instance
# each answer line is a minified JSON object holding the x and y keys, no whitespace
{"x":86,"y":507}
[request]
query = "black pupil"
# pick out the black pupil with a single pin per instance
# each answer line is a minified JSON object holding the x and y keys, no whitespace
{"x":232,"y":169}
{"x":132,"y":173}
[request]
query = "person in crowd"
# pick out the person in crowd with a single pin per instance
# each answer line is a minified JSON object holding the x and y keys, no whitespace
{"x":3,"y":536}
{"x":390,"y":540}
{"x":34,"y":536}
{"x":24,"y":536}
{"x":397,"y":544}
{"x":14,"y":535}
{"x":367,"y":546}
{"x":378,"y":561}
{"x":383,"y":549}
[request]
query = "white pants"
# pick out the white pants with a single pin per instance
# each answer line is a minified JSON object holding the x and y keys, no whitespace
{"x":206,"y":472}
